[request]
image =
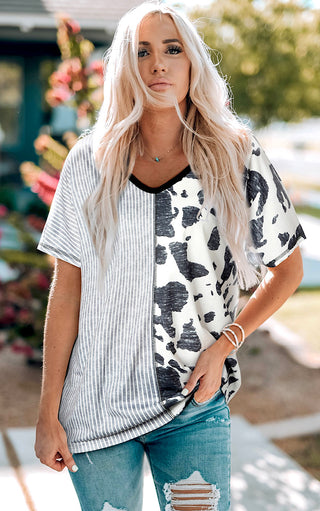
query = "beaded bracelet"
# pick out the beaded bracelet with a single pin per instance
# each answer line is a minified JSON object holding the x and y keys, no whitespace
{"x":235,"y":341}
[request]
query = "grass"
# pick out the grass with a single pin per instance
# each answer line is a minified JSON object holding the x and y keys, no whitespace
{"x":301,"y":314}
{"x":305,"y":450}
{"x":308,"y":210}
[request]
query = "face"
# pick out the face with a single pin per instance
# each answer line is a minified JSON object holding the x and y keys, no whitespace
{"x":163,"y":63}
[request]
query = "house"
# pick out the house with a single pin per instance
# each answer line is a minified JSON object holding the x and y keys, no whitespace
{"x":28,"y":55}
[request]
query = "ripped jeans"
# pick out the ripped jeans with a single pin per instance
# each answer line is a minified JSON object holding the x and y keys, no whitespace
{"x":189,"y":459}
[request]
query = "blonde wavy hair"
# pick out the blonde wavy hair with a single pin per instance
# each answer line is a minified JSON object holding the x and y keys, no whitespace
{"x":215,"y":142}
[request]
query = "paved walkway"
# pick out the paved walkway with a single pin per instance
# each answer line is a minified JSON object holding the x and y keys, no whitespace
{"x":263,"y":477}
{"x":310,"y":251}
{"x":286,"y":428}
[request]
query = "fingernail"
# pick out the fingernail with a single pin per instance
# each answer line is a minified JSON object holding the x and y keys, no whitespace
{"x":74,"y":468}
{"x":185,"y":391}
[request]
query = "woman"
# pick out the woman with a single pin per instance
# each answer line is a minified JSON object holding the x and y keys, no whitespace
{"x":161,"y":213}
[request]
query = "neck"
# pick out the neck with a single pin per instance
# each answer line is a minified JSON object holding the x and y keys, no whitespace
{"x":160,"y":129}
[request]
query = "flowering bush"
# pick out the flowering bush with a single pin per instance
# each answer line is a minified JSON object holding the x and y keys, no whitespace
{"x":23,"y":300}
{"x":76,"y":82}
{"x":44,"y":180}
{"x":22,"y":310}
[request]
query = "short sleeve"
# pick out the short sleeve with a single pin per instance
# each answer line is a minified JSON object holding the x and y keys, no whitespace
{"x":60,"y":236}
{"x":274,"y":226}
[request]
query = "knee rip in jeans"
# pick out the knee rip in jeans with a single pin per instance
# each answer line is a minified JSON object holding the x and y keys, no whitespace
{"x":192,"y":494}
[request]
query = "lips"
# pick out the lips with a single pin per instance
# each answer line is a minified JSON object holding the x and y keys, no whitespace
{"x":160,"y":81}
{"x":160,"y":84}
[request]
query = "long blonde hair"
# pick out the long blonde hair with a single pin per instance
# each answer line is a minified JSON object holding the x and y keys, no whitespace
{"x":216,"y":143}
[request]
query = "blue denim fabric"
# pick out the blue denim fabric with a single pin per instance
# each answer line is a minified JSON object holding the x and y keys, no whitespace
{"x":189,"y":459}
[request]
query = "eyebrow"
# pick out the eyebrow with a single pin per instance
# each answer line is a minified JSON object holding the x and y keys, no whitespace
{"x":165,"y":41}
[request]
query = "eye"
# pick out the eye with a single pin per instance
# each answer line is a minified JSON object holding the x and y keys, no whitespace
{"x":142,"y":52}
{"x":174,"y":50}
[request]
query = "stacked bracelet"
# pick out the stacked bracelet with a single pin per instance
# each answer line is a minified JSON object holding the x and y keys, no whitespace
{"x":229,"y":333}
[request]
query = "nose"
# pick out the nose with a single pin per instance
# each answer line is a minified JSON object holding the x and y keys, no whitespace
{"x":158,"y":65}
{"x":158,"y":68}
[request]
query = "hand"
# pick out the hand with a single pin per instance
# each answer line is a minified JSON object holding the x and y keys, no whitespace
{"x":208,"y":370}
{"x":51,"y":446}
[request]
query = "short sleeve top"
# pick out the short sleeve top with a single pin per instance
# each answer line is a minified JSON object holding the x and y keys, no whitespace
{"x":170,"y":288}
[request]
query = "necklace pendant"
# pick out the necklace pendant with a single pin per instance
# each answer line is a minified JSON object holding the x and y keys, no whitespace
{"x":157,"y":159}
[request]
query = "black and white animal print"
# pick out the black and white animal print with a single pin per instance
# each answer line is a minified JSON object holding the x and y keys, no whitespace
{"x":274,"y":226}
{"x":196,"y":287}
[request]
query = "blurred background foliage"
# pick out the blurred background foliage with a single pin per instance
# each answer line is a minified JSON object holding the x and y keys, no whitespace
{"x":77,"y":83}
{"x":269,"y":52}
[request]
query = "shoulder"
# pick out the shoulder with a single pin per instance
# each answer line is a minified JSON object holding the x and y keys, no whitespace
{"x":258,"y":167}
{"x":81,"y":149}
{"x":255,"y":153}
{"x":79,"y":165}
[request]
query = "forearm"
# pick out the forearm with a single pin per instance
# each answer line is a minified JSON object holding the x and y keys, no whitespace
{"x":279,"y":283}
{"x":60,"y":332}
{"x":277,"y":286}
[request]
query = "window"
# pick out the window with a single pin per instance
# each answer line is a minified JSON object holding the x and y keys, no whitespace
{"x":11,"y":97}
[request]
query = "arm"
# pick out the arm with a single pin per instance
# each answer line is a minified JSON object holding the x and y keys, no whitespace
{"x":60,"y":332}
{"x":276,"y":287}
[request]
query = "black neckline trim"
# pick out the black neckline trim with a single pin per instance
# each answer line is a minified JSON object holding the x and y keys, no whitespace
{"x":164,"y":186}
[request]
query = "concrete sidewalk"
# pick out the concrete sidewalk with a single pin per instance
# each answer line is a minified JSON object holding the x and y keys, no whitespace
{"x":263,"y":477}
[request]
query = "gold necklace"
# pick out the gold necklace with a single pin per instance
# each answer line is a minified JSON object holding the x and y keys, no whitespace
{"x":159,"y":158}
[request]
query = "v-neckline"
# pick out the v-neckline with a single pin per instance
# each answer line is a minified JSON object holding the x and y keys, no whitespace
{"x":164,"y":186}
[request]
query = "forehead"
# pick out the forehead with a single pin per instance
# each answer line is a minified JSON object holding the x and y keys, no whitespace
{"x":157,"y":25}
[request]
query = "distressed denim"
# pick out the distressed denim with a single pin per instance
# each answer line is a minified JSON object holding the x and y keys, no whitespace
{"x":189,"y":459}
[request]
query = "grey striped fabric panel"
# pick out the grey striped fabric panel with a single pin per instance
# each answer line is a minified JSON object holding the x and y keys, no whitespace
{"x":110,"y":394}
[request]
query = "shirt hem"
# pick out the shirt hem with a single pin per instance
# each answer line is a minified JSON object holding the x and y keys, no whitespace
{"x":59,"y":255}
{"x":123,"y":436}
{"x":282,"y":257}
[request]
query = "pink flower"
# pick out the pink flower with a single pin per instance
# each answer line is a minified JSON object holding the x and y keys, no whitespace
{"x":96,"y":66}
{"x":8,"y":315}
{"x":77,"y":86}
{"x":20,"y":346}
{"x":71,"y":25}
{"x":24,"y":316}
{"x":42,"y":143}
{"x":36,"y":222}
{"x":42,"y":281}
{"x":58,"y":95}
{"x":45,"y":187}
{"x":3,"y":211}
{"x":95,"y":80}
{"x":84,"y":108}
{"x":71,"y":66}
{"x":59,"y":78}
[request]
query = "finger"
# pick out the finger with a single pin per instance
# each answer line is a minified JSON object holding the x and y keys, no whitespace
{"x":68,"y":460}
{"x":204,"y":394}
{"x":58,"y":465}
{"x":55,"y":462}
{"x":192,"y":382}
